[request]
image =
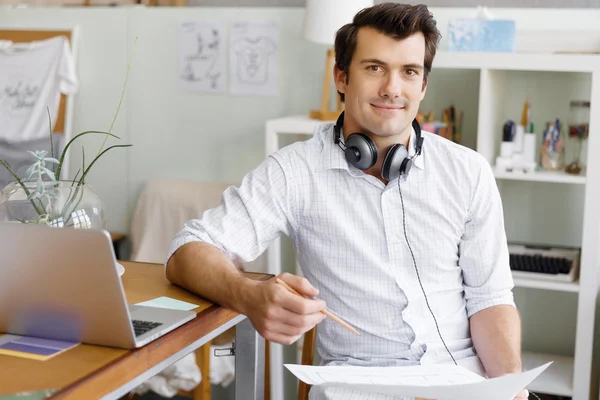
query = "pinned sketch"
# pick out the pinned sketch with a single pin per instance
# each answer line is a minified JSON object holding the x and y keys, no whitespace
{"x":202,"y":52}
{"x":253,"y":58}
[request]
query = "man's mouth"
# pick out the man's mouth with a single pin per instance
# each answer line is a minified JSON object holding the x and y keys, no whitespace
{"x":387,"y":107}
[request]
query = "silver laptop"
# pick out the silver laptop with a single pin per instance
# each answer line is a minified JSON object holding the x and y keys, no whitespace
{"x":62,"y":283}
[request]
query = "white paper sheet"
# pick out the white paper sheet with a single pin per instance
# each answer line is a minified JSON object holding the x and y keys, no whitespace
{"x":202,"y":56}
{"x":441,"y":382}
{"x":253,"y":57}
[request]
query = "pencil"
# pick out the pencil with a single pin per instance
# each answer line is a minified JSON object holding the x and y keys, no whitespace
{"x":324,"y":311}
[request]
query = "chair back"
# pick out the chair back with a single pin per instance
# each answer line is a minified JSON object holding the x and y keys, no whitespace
{"x":308,"y":355}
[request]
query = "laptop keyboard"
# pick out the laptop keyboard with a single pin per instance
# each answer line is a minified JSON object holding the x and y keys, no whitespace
{"x":141,"y":327}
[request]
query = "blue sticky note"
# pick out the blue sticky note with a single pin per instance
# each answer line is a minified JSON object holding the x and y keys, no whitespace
{"x":167,"y":302}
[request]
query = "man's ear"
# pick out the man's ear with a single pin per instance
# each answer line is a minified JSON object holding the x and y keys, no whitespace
{"x":339,"y":78}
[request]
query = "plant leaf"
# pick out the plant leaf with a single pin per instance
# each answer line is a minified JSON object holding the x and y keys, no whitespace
{"x":64,"y":152}
{"x":52,"y":160}
{"x":20,"y":183}
{"x":34,"y":195}
{"x":97,"y":157}
{"x":49,"y":173}
{"x":30,"y":171}
{"x":82,"y":161}
{"x":50,"y":125}
{"x":122,"y":95}
{"x":75,"y":178}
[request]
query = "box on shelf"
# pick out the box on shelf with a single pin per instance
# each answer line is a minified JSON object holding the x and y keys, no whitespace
{"x":477,"y":34}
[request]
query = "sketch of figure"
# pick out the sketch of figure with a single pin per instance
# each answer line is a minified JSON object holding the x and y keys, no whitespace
{"x":200,"y":66}
{"x":253,"y":59}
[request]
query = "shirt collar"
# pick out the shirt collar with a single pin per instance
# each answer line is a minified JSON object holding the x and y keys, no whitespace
{"x":332,"y":156}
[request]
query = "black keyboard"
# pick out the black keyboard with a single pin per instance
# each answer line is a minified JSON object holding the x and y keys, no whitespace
{"x":141,"y":327}
{"x":540,"y":264}
{"x":556,"y":262}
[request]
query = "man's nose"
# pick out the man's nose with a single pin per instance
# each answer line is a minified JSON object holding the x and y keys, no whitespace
{"x":392,"y":87}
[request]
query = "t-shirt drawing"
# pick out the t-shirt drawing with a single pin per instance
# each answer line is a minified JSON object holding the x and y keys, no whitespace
{"x":253,"y":59}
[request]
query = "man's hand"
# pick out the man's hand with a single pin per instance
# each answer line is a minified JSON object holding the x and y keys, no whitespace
{"x":280,"y":316}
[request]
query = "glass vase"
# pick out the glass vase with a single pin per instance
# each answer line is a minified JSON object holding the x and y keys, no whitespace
{"x":54,"y":203}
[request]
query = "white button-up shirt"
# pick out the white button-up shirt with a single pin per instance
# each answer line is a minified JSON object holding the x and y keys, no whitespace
{"x":347,"y":229}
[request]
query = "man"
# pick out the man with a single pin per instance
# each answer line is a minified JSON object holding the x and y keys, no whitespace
{"x":414,"y":258}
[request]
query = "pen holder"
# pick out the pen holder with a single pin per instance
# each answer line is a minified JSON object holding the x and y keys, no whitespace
{"x":552,"y":159}
{"x":552,"y":151}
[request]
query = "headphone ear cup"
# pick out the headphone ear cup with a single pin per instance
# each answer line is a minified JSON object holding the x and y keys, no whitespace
{"x":406,"y":166}
{"x":395,"y":162}
{"x":361,"y":151}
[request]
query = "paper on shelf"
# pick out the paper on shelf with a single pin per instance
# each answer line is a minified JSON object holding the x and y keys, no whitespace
{"x":441,"y":382}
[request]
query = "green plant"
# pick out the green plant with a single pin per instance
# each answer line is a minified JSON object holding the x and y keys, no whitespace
{"x":43,"y":194}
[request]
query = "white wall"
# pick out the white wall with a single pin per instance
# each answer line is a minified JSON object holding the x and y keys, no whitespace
{"x":182,"y":135}
{"x":176,"y":134}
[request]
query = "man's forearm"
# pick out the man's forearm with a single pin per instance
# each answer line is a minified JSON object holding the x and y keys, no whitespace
{"x":496,"y":334}
{"x":205,"y":270}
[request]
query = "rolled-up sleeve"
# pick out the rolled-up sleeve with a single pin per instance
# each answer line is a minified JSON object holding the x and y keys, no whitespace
{"x":248,"y":218}
{"x":484,"y":257}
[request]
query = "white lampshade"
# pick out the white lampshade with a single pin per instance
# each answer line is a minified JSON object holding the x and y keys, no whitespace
{"x":324,"y":17}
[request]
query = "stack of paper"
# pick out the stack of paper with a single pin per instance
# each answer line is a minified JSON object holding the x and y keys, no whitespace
{"x":441,"y":382}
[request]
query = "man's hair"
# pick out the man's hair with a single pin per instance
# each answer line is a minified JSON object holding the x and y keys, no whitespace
{"x":393,"y":19}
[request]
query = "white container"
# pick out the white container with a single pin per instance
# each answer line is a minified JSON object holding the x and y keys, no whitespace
{"x":529,"y":142}
{"x":518,"y":140}
{"x":507,"y":149}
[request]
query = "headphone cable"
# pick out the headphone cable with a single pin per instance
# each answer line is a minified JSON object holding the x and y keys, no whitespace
{"x":418,"y":275}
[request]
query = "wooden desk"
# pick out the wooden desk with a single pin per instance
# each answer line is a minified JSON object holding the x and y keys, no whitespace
{"x":88,"y":371}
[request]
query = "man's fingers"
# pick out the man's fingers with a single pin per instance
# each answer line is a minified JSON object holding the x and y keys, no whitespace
{"x":281,"y":338}
{"x":300,"y":284}
{"x":300,"y":305}
{"x":281,"y":313}
{"x":280,"y":327}
{"x":305,"y":321}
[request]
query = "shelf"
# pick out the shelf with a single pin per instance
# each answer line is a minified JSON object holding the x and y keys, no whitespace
{"x":518,"y":61}
{"x":541,"y":176}
{"x":557,"y":379}
{"x":546,"y":284}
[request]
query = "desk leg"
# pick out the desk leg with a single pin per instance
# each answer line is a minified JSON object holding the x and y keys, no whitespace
{"x":249,"y":362}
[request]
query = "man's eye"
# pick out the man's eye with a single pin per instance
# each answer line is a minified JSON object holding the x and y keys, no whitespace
{"x":411,"y":72}
{"x":374,"y":68}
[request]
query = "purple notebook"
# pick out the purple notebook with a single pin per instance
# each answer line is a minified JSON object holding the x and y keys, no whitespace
{"x":32,"y":347}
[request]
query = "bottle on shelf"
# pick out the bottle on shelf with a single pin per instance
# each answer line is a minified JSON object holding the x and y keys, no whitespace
{"x":578,"y":130}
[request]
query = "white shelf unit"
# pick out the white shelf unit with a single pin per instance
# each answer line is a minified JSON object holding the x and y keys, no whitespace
{"x":546,"y":284}
{"x":541,"y":176}
{"x":568,"y":376}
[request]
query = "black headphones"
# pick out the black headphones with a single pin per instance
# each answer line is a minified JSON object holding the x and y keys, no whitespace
{"x":362,"y":152}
